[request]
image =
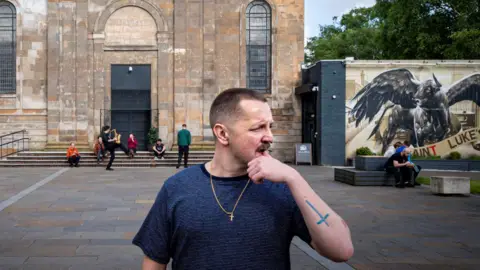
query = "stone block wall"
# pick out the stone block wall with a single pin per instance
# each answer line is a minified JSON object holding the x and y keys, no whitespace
{"x":196,"y":49}
{"x":27,"y":108}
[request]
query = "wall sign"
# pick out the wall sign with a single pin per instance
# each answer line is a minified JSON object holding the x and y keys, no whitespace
{"x":303,"y":153}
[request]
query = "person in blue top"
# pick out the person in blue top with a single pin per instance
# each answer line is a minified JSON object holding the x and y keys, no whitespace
{"x":402,"y":147}
{"x":184,"y":139}
{"x":241,"y":209}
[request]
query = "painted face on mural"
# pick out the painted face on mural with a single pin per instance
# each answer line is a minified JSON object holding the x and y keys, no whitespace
{"x":426,"y":93}
{"x":251,"y":134}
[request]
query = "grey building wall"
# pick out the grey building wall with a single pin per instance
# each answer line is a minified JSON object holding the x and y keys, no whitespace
{"x":331,"y":115}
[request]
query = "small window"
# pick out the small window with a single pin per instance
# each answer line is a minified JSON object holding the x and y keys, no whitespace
{"x":259,"y":52}
{"x":7,"y":48}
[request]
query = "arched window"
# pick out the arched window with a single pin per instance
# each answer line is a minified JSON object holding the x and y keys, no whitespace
{"x":259,"y":53}
{"x":8,"y":56}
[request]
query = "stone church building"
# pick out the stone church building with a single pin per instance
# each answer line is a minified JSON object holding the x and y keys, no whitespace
{"x":69,"y":67}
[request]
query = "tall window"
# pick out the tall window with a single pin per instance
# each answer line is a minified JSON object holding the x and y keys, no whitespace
{"x":259,"y":17}
{"x":7,"y":48}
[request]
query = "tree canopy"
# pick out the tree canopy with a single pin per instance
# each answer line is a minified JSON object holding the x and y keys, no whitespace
{"x":402,"y":29}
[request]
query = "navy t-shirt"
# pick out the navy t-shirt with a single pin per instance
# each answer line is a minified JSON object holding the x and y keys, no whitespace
{"x":186,"y":224}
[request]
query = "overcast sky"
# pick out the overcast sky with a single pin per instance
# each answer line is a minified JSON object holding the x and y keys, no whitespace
{"x":322,"y":11}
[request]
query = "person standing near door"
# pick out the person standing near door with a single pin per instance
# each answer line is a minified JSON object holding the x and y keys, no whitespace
{"x":184,"y":139}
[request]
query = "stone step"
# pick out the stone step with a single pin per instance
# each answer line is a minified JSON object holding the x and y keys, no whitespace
{"x":83,"y":153}
{"x":160,"y":161}
{"x":82,"y":164}
{"x":60,"y":160}
{"x":117,"y":157}
{"x":64,"y":146}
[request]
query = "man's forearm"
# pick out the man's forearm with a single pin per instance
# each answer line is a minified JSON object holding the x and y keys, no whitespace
{"x":330,"y":234}
{"x":149,"y":264}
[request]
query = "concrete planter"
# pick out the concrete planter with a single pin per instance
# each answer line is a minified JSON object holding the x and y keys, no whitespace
{"x":376,"y":163}
{"x":474,"y":165}
{"x":450,"y":185}
{"x":370,"y":163}
{"x":444,"y":164}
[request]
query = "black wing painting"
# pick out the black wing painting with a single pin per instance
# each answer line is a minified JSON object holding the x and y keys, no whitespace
{"x":466,"y":89}
{"x":397,"y":86}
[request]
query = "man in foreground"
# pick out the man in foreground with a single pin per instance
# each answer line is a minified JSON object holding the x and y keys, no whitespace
{"x":242,"y":209}
{"x":399,"y":165}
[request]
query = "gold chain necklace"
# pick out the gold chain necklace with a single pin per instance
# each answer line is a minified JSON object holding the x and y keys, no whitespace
{"x":218,"y":202}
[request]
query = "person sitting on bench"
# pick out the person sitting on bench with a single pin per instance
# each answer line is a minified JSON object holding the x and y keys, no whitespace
{"x":402,"y":169}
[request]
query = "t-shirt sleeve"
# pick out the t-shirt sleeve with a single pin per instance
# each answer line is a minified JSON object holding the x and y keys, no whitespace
{"x":298,"y":226}
{"x":154,"y":235}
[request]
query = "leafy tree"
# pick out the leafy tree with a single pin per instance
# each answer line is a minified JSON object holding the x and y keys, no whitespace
{"x":402,"y":29}
{"x":355,"y":35}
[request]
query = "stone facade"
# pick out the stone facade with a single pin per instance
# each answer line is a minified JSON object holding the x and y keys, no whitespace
{"x":196,"y":49}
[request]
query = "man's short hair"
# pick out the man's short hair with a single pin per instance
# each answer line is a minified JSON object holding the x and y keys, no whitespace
{"x":159,"y":140}
{"x":406,"y":143}
{"x":225,"y":105}
{"x":105,"y":128}
{"x":184,"y":125}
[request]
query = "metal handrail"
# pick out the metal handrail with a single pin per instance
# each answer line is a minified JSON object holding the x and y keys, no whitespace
{"x":12,"y":133}
{"x":13,"y":141}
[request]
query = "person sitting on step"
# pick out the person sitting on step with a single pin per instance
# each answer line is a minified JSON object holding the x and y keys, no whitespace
{"x":159,"y":150}
{"x":132,"y":145}
{"x":99,"y":149}
{"x":73,"y":156}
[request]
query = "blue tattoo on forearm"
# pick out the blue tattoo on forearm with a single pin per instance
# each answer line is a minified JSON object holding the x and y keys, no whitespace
{"x":322,"y":218}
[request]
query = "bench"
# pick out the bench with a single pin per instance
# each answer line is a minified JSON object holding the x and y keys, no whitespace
{"x":450,"y":185}
{"x":363,"y":178}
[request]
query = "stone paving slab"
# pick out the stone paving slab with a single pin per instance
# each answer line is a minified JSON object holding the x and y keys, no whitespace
{"x":12,"y":181}
{"x":404,"y":228}
{"x":85,"y":219}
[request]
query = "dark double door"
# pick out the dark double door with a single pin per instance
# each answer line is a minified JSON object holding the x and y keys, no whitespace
{"x":309,"y":119}
{"x":131,"y":102}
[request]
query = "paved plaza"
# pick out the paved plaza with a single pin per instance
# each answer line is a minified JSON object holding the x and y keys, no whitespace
{"x":85,"y":218}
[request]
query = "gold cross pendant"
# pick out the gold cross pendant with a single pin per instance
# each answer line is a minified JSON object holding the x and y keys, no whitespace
{"x":231,"y":217}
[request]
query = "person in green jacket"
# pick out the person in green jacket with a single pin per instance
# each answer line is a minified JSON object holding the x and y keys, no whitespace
{"x":184,"y":139}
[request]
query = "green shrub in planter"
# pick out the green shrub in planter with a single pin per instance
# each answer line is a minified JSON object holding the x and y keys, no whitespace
{"x":364,"y":151}
{"x":454,"y":156}
{"x":474,"y":157}
{"x":152,"y":137}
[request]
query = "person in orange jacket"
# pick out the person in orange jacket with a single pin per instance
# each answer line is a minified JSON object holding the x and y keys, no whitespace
{"x":73,"y":156}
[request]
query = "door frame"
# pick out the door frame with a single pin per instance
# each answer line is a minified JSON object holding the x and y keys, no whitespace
{"x":124,"y":67}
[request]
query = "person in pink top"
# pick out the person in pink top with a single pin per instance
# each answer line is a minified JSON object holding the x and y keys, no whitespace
{"x":132,"y":145}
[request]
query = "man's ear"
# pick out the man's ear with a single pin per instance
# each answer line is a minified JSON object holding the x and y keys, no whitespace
{"x":221,"y":132}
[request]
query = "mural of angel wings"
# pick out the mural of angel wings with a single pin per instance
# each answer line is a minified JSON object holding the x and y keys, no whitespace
{"x":418,"y":106}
